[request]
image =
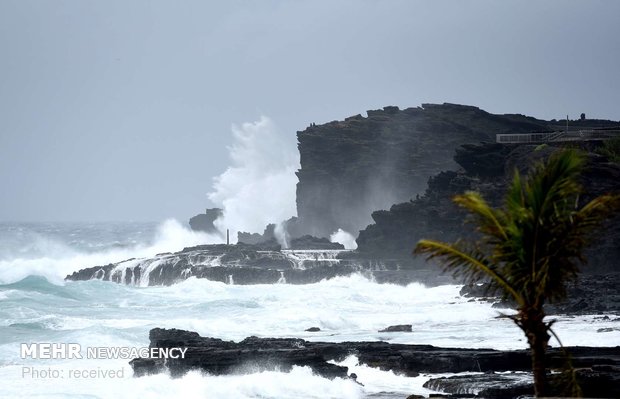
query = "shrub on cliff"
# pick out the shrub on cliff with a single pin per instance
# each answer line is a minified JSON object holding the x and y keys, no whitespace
{"x":611,"y":149}
{"x":531,"y":247}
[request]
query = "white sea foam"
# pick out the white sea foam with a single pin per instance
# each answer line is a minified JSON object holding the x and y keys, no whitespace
{"x":354,"y":308}
{"x":345,"y":238}
{"x":96,"y":313}
{"x":300,"y":382}
{"x":55,"y":259}
{"x":258,"y":187}
{"x":377,"y":381}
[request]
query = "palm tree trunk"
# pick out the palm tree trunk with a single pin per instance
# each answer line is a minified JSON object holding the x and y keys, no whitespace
{"x":539,"y":347}
{"x":536,"y":330}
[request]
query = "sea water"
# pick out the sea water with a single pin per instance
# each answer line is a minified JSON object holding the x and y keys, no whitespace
{"x":36,"y":306}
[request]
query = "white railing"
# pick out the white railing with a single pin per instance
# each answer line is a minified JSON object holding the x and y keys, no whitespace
{"x":574,"y":135}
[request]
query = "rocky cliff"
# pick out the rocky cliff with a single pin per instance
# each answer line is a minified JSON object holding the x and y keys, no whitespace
{"x":486,"y":168}
{"x":353,"y":167}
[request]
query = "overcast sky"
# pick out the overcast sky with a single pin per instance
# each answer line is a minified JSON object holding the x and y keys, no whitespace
{"x":122,"y":110}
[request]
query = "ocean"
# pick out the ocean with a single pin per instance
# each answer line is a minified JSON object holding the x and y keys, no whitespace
{"x":37,"y":306}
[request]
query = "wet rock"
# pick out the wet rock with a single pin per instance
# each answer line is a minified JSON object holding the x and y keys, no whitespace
{"x":597,"y":381}
{"x":518,"y":384}
{"x":261,"y":263}
{"x":233,"y":264}
{"x":204,"y":221}
{"x":304,"y":242}
{"x":308,"y":242}
{"x":600,"y":381}
{"x":268,"y":236}
{"x":474,"y":290}
{"x":577,"y":307}
{"x":590,"y":294}
{"x":217,"y":357}
{"x":398,"y":328}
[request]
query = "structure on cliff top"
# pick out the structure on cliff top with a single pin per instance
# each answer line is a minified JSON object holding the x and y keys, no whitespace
{"x":558,"y":136}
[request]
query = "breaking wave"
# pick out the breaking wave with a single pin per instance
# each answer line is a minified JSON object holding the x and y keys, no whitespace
{"x":33,"y":251}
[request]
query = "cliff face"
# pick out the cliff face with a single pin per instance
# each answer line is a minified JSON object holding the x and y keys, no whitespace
{"x":487,"y":169}
{"x":353,"y":167}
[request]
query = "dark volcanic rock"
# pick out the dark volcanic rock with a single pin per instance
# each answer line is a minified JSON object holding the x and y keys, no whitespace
{"x":298,"y":242}
{"x":204,"y":221}
{"x":597,"y":381}
{"x":474,"y":290}
{"x":226,"y":357}
{"x":434,"y":215}
{"x":233,"y":264}
{"x":592,"y":294}
{"x":511,"y":385}
{"x":256,"y":264}
{"x":255,"y":238}
{"x":310,"y":242}
{"x":600,"y":381}
{"x":217,"y":357}
{"x":398,"y":328}
{"x":350,"y":168}
{"x":353,"y":167}
{"x":485,"y":160}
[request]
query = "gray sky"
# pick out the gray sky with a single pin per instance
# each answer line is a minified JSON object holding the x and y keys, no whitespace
{"x":121,"y":110}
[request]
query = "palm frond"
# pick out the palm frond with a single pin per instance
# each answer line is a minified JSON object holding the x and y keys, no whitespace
{"x":592,"y":214}
{"x":470,"y":262}
{"x":487,"y":218}
{"x":533,"y":246}
{"x":515,"y":196}
{"x":553,"y":182}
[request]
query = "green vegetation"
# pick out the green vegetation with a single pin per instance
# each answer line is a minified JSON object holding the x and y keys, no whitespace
{"x":541,"y":147}
{"x":531,"y":247}
{"x":611,"y":149}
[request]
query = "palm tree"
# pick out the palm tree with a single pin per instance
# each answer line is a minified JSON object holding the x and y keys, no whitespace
{"x":530,"y":248}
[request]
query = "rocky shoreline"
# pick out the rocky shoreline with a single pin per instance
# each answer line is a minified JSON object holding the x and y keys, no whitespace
{"x":268,"y":264}
{"x":497,"y":374}
{"x":591,"y":294}
{"x":231,"y":264}
{"x":257,"y":264}
{"x":384,"y":247}
{"x":351,"y":172}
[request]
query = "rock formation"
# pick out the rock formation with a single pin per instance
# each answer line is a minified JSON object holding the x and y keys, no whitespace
{"x":353,"y":167}
{"x":598,"y":366}
{"x":233,"y":264}
{"x":255,"y":238}
{"x":204,"y":221}
{"x":486,"y":168}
